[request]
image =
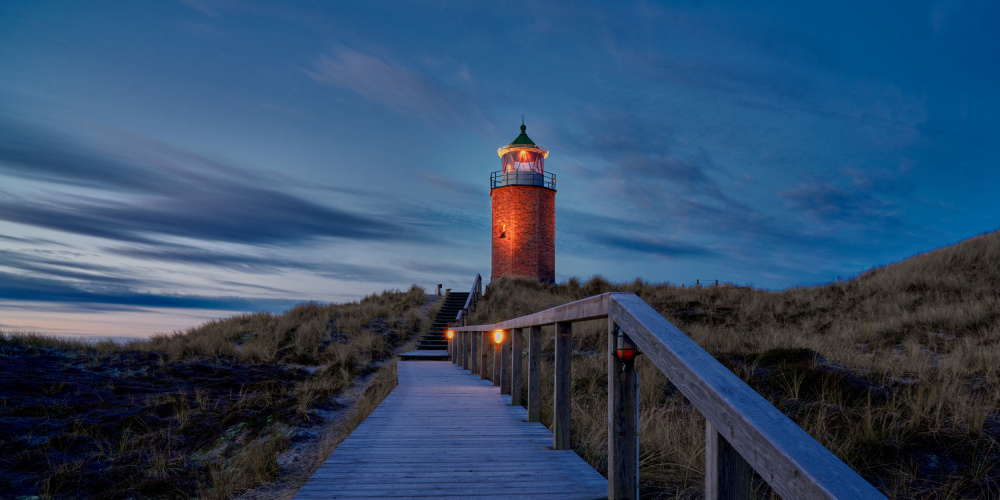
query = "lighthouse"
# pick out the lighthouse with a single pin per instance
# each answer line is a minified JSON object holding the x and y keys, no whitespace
{"x":523,"y":197}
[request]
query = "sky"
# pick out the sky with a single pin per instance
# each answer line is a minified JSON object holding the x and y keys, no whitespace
{"x":163,"y":163}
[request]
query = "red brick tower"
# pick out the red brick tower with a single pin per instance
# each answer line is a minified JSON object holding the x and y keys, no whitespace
{"x":524,"y":215}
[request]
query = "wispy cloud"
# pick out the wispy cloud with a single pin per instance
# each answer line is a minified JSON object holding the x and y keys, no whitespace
{"x":32,"y":289}
{"x":648,"y":244}
{"x":828,"y":202}
{"x":399,"y":87}
{"x":164,"y":199}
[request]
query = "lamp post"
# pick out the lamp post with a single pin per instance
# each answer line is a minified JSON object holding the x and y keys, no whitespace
{"x":497,"y":356}
{"x":623,"y":415}
{"x":451,"y":343}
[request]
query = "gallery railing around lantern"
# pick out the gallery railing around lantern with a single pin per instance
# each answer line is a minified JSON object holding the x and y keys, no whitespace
{"x":744,"y":432}
{"x":522,"y":178}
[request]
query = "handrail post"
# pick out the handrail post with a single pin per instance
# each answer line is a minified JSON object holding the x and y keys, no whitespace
{"x":497,"y":363}
{"x":484,"y":346}
{"x":534,"y":372}
{"x":563,"y":387}
{"x":515,"y":366}
{"x":623,"y":420}
{"x":460,"y":339}
{"x":472,"y":352}
{"x":505,"y":363}
{"x":727,"y":474}
{"x":465,"y":352}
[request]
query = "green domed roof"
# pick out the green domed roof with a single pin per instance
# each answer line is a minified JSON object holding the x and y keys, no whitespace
{"x":523,"y":142}
{"x":523,"y":139}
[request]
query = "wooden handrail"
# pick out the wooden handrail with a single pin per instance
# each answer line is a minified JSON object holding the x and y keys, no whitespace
{"x":743,"y":429}
{"x":470,"y":301}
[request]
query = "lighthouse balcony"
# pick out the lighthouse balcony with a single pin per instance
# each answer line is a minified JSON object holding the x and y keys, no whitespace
{"x":522,"y":178}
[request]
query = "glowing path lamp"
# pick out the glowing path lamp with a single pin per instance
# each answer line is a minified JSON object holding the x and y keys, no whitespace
{"x":625,"y":349}
{"x":451,"y":344}
{"x":497,"y":356}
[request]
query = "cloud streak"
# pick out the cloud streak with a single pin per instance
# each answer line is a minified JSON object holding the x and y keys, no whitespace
{"x":391,"y":84}
{"x":254,"y":263}
{"x":31,"y":289}
{"x":649,"y":245}
{"x":158,"y":199}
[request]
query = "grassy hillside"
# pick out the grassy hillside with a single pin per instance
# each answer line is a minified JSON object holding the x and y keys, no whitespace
{"x":209,"y":412}
{"x":897,"y":371}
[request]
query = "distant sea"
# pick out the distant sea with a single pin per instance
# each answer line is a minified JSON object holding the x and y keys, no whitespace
{"x":81,"y":321}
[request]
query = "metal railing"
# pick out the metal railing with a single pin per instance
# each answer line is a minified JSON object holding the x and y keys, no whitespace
{"x":743,"y":431}
{"x":522,"y":178}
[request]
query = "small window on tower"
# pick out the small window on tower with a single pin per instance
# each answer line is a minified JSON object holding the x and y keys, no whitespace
{"x":503,"y":231}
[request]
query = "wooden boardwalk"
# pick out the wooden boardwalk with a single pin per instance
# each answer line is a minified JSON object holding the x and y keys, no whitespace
{"x":444,"y":433}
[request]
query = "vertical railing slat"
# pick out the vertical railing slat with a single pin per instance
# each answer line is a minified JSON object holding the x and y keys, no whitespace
{"x":497,"y":364}
{"x":484,"y":346}
{"x":515,"y":366}
{"x":534,"y":372}
{"x":563,"y":387}
{"x":623,"y":413}
{"x":465,"y":351}
{"x":505,"y":363}
{"x":473,"y":352}
{"x":727,"y":475}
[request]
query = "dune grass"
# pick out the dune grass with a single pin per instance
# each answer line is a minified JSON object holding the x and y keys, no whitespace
{"x":896,"y":371}
{"x":205,"y":412}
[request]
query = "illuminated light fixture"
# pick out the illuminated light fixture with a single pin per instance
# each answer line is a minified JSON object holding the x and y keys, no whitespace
{"x":625,"y":349}
{"x":451,"y":334}
{"x":498,"y":336}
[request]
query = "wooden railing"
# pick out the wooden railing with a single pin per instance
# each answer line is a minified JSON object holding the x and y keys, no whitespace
{"x":744,"y":432}
{"x":470,"y":302}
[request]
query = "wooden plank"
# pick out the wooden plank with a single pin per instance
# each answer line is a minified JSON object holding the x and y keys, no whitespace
{"x":623,"y":417}
{"x":427,"y":440}
{"x":516,"y":353}
{"x":788,"y":458}
{"x":563,"y":390}
{"x":534,"y":372}
{"x":595,"y":307}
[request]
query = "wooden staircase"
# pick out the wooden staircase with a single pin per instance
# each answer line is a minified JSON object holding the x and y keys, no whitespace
{"x":435,"y":339}
{"x":433,"y":345}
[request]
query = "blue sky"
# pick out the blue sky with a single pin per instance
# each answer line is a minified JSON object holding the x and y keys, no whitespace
{"x":162,"y":163}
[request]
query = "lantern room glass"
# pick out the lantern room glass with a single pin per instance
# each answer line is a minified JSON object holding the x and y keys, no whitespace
{"x":523,"y":160}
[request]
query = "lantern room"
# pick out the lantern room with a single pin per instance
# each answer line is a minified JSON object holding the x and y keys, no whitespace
{"x":523,"y":164}
{"x":523,"y":155}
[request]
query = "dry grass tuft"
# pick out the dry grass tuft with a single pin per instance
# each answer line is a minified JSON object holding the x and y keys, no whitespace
{"x":205,"y":412}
